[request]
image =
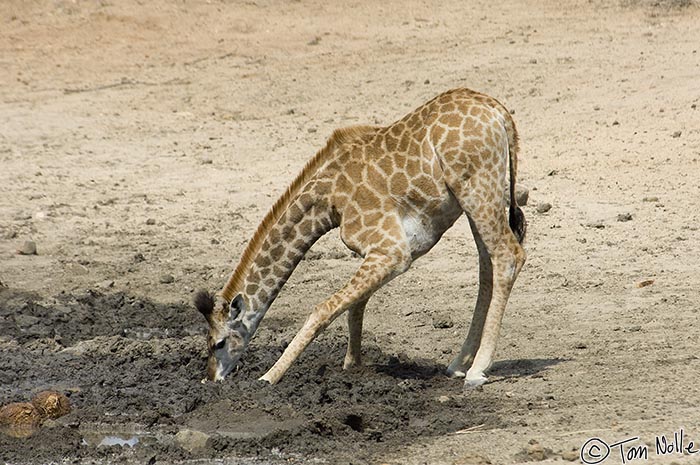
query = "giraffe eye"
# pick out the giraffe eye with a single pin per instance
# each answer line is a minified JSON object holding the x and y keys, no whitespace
{"x":220,"y":345}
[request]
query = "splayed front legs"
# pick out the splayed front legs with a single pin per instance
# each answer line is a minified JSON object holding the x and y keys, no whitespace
{"x":377,"y":269}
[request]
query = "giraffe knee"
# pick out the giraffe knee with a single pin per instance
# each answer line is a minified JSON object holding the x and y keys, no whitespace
{"x":510,"y":258}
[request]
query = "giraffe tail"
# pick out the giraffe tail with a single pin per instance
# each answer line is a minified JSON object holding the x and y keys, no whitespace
{"x":516,"y":217}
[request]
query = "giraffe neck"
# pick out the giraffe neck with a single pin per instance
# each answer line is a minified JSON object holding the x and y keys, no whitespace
{"x":298,"y":228}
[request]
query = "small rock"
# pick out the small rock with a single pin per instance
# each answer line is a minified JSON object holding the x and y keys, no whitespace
{"x":315,"y":41}
{"x":191,"y":440}
{"x":76,"y":269}
{"x":215,"y":241}
{"x":51,"y":404}
{"x":138,"y":258}
{"x":443,"y":399}
{"x":19,"y":419}
{"x":581,"y":345}
{"x":570,"y":456}
{"x":28,"y":248}
{"x":206,"y":161}
{"x":676,"y":134}
{"x":472,"y":459}
{"x":442,"y":323}
{"x":645,"y":283}
{"x":150,"y":221}
{"x":650,"y":199}
{"x":533,"y":61}
{"x":536,"y":452}
{"x":544,"y":207}
{"x":634,"y":329}
{"x":312,"y":130}
{"x":596,"y":225}
{"x":167,"y":279}
{"x":522,"y":194}
{"x":622,"y":217}
{"x":108,"y":284}
{"x":616,"y":123}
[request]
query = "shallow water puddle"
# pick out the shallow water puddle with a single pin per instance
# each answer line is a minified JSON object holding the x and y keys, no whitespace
{"x":117,"y":441}
{"x":102,"y":437}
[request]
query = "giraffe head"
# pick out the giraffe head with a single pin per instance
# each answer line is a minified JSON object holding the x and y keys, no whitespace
{"x":227,"y":336}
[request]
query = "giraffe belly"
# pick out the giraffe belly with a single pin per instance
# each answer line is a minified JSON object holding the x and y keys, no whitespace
{"x":424,"y":231}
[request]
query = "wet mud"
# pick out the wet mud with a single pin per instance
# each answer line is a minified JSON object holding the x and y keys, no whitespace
{"x":133,"y":368}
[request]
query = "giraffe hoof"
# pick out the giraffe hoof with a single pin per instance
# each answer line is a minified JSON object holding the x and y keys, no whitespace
{"x":473,"y":383}
{"x":455,"y":373}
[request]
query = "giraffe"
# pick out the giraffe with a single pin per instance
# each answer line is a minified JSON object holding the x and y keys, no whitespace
{"x":393,"y":191}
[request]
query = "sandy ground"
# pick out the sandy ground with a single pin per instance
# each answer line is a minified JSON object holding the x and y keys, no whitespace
{"x":141,"y":142}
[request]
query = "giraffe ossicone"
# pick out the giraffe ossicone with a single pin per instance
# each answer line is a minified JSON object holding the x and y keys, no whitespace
{"x":393,"y":191}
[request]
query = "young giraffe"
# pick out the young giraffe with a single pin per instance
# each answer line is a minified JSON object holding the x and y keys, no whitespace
{"x":393,"y":191}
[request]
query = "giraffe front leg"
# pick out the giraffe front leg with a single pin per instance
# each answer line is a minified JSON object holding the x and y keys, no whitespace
{"x":376,"y":270}
{"x":353,"y":356}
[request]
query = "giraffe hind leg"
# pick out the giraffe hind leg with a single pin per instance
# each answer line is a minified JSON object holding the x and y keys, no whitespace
{"x":481,"y":198}
{"x":463,"y":361}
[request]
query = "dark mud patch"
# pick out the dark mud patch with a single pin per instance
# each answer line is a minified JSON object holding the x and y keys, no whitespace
{"x":130,"y":364}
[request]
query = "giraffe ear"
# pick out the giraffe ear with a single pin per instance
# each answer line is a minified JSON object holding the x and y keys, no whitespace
{"x":236,"y":307}
{"x":204,"y":302}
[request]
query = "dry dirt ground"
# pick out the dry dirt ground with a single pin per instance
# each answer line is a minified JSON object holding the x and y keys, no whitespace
{"x":141,"y":142}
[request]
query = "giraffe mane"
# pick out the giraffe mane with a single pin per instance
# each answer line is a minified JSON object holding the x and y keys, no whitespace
{"x":339,"y":137}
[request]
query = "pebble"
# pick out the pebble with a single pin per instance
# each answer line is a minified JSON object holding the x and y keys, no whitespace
{"x":167,"y":279}
{"x":76,"y":269}
{"x":206,"y":161}
{"x":622,"y":217}
{"x":596,"y":225}
{"x":108,"y":284}
{"x":570,"y":456}
{"x":676,"y":134}
{"x":536,"y":452}
{"x":191,"y":440}
{"x":650,"y":199}
{"x":522,"y":194}
{"x":28,"y":248}
{"x":442,"y":322}
{"x":544,"y":207}
{"x":150,"y":221}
